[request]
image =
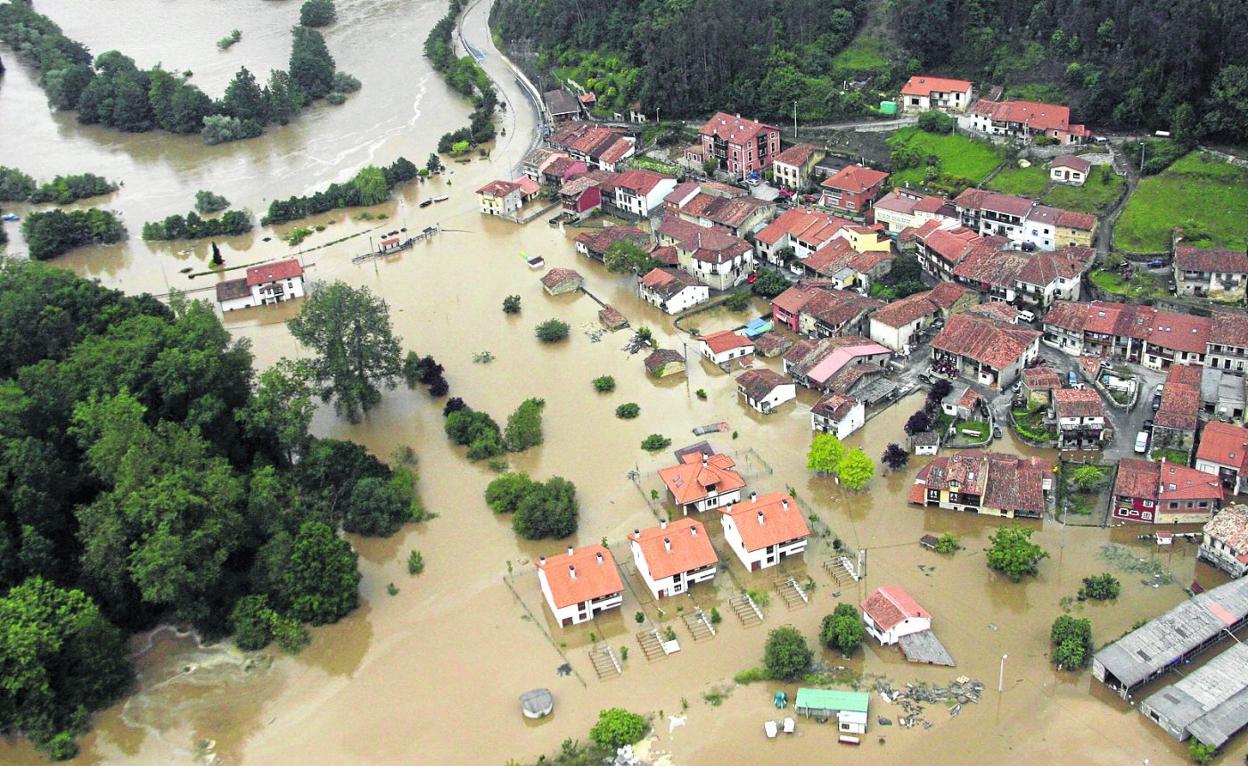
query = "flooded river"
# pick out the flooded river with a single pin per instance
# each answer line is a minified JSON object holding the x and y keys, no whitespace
{"x":431,"y":675}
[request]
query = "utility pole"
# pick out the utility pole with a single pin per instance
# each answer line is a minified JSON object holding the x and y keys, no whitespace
{"x":795,"y":119}
{"x":1001,"y":676}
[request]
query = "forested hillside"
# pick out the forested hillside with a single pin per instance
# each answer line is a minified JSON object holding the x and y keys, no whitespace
{"x":1118,"y":63}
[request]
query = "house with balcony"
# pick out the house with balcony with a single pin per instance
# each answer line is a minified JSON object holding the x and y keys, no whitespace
{"x":989,"y":483}
{"x":940,"y":246}
{"x":1164,"y":493}
{"x":1178,"y":417}
{"x":792,"y":168}
{"x":1069,"y":169}
{"x":673,"y":557}
{"x":1227,"y":348}
{"x":1046,"y":277}
{"x":852,"y":188}
{"x":581,"y":196}
{"x":671,"y":290}
{"x":262,"y":285}
{"x":837,"y":414}
{"x":835,"y":312}
{"x":1223,"y":452}
{"x":903,"y":209}
{"x":595,"y":145}
{"x":1138,"y":334}
{"x":742,"y":147}
{"x":596,"y":242}
{"x":501,"y":198}
{"x":890,"y":613}
{"x":717,"y":205}
{"x":815,"y":364}
{"x":1224,"y":540}
{"x":561,"y":105}
{"x":922,"y":93}
{"x":725,"y":346}
{"x":763,"y":531}
{"x":985,"y":349}
{"x":1080,"y":416}
{"x":713,"y":255}
{"x":1024,"y":222}
{"x":1025,"y":120}
{"x":1215,"y":273}
{"x":765,"y":390}
{"x":637,"y":193}
{"x":702,"y":480}
{"x":580,"y":584}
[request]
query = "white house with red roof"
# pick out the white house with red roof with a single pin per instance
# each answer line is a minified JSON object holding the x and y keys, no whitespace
{"x":792,"y":167}
{"x":764,"y":530}
{"x":890,"y":613}
{"x":702,"y":480}
{"x":838,"y":414}
{"x":741,"y":146}
{"x":498,"y":197}
{"x":985,"y":349}
{"x":1069,"y":169}
{"x":263,"y":285}
{"x":724,"y":346}
{"x":1225,"y":541}
{"x":1223,"y":452}
{"x":1024,"y":119}
{"x":580,"y":584}
{"x":674,"y":556}
{"x":637,"y":192}
{"x":903,"y":209}
{"x":852,"y":188}
{"x":765,"y":389}
{"x":923,"y":92}
{"x":672,"y":290}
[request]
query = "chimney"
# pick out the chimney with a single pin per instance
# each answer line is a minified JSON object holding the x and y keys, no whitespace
{"x":541,"y":561}
{"x":598,"y":557}
{"x":667,"y":544}
{"x":704,"y":458}
{"x":693,"y":530}
{"x":662,"y":523}
{"x":784,"y":505}
{"x":570,"y":549}
{"x":761,"y":519}
{"x":636,"y":533}
{"x":753,"y":496}
{"x":572,"y":571}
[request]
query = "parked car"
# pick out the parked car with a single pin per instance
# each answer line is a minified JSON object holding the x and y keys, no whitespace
{"x":1157,"y":263}
{"x":1148,"y":425}
{"x":1156,"y":402}
{"x":1141,"y":442}
{"x":1027,"y":316}
{"x":752,"y":182}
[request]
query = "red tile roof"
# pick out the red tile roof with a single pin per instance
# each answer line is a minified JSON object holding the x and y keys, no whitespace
{"x":498,"y":188}
{"x":854,"y":179}
{"x":675,"y":547}
{"x":734,"y":130}
{"x":601,"y":240}
{"x":768,"y":520}
{"x":834,"y":406}
{"x":1074,"y":163}
{"x":1037,"y":116}
{"x":837,"y":308}
{"x":1181,"y":332}
{"x":1178,"y":482}
{"x":726,"y":340}
{"x":946,"y":294}
{"x":555,"y":277}
{"x":639,"y":180}
{"x":1137,"y":479}
{"x":232,"y":289}
{"x":1224,"y":444}
{"x":1230,"y":328}
{"x":698,"y":476}
{"x":758,"y":384}
{"x":997,"y":344}
{"x":903,"y":312}
{"x":925,"y":85}
{"x":583,"y":575}
{"x":810,"y":226}
{"x":796,"y":155}
{"x":1230,"y":526}
{"x":1180,"y":401}
{"x":1078,"y":403}
{"x":891,"y":605}
{"x":1041,"y":378}
{"x":1217,"y":260}
{"x":272,"y":272}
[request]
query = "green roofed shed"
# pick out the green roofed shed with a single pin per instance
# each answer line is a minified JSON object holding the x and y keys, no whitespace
{"x":850,"y":708}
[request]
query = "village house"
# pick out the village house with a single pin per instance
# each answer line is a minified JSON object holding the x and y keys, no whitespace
{"x":940,"y":247}
{"x":637,"y":192}
{"x":1069,"y":169}
{"x":724,"y":346}
{"x":1222,"y":395}
{"x":532,"y":163}
{"x":559,"y":169}
{"x":852,"y":188}
{"x":1038,"y":385}
{"x":792,"y":167}
{"x":1046,"y":277}
{"x":262,"y":285}
{"x":834,"y":312}
{"x":1224,"y":542}
{"x":1223,"y":452}
{"x":580,"y":584}
{"x":1217,"y":273}
{"x":816,"y":363}
{"x":501,"y":198}
{"x":581,"y":196}
{"x":922,"y":93}
{"x":844,"y":266}
{"x":765,"y":389}
{"x":1024,"y":222}
{"x":743,"y":148}
{"x":1081,"y":422}
{"x":1138,"y":334}
{"x":786,"y":308}
{"x":560,"y":281}
{"x":764,"y":530}
{"x":1164,"y":493}
{"x":989,"y":483}
{"x":703,"y":479}
{"x":987,"y":350}
{"x":1024,"y":119}
{"x":838,"y":414}
{"x":714,"y":256}
{"x":561,"y":105}
{"x":898,"y":324}
{"x":596,"y":146}
{"x":925,"y":443}
{"x":671,"y":290}
{"x":963,"y":403}
{"x":713,"y":204}
{"x":1227,"y":348}
{"x":1178,"y":417}
{"x":674,"y":556}
{"x":890,"y":613}
{"x":798,"y":232}
{"x":596,"y":242}
{"x":665,"y":361}
{"x":903,"y":209}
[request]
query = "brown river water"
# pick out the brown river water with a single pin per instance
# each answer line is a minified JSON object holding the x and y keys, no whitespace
{"x":431,"y":675}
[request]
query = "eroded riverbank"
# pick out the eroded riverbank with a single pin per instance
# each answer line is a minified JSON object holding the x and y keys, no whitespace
{"x":431,"y":674}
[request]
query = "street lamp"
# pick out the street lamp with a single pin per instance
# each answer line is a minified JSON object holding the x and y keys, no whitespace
{"x":795,"y":119}
{"x":1001,"y":676}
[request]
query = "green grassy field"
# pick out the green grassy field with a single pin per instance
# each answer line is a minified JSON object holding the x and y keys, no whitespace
{"x":959,"y":155}
{"x":1099,"y":194}
{"x":1025,"y":182}
{"x":1207,"y":197}
{"x":1044,"y":92}
{"x":1142,"y":285}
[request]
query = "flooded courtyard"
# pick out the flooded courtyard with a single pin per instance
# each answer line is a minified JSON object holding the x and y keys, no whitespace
{"x":431,"y":675}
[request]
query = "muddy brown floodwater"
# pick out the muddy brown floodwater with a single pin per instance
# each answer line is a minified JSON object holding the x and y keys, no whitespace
{"x":431,"y":675}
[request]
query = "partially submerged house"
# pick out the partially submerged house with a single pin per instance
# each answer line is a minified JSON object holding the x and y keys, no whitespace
{"x":262,"y":285}
{"x":764,"y":530}
{"x":725,"y":346}
{"x":1164,"y":493}
{"x":1224,"y":540}
{"x":674,"y":556}
{"x":560,"y":281}
{"x":665,"y":361}
{"x":765,"y":390}
{"x":890,"y":613}
{"x":838,"y":414}
{"x":702,"y":480}
{"x":580,"y":584}
{"x":672,"y":290}
{"x":990,"y":483}
{"x":848,"y":708}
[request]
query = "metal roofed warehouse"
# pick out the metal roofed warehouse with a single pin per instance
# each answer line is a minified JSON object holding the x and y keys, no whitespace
{"x":1145,"y":653}
{"x":1210,"y":704}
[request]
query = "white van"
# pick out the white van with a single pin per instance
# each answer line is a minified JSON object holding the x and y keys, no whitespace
{"x":1141,"y":442}
{"x":1026,"y":316}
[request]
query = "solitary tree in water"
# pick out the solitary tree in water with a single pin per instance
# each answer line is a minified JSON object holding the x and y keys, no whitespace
{"x":356,"y":350}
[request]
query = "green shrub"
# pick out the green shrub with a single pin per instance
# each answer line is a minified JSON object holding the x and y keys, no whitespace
{"x":415,"y":563}
{"x":318,"y":13}
{"x":551,"y":331}
{"x":604,"y":384}
{"x":628,"y":411}
{"x":936,"y":122}
{"x":786,"y":655}
{"x":655,"y":442}
{"x":617,"y":727}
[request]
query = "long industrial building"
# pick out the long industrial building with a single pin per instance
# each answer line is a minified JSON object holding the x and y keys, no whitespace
{"x":1210,"y":704}
{"x":1173,"y":638}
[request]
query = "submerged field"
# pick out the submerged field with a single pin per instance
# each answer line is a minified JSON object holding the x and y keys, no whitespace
{"x":1207,"y":197}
